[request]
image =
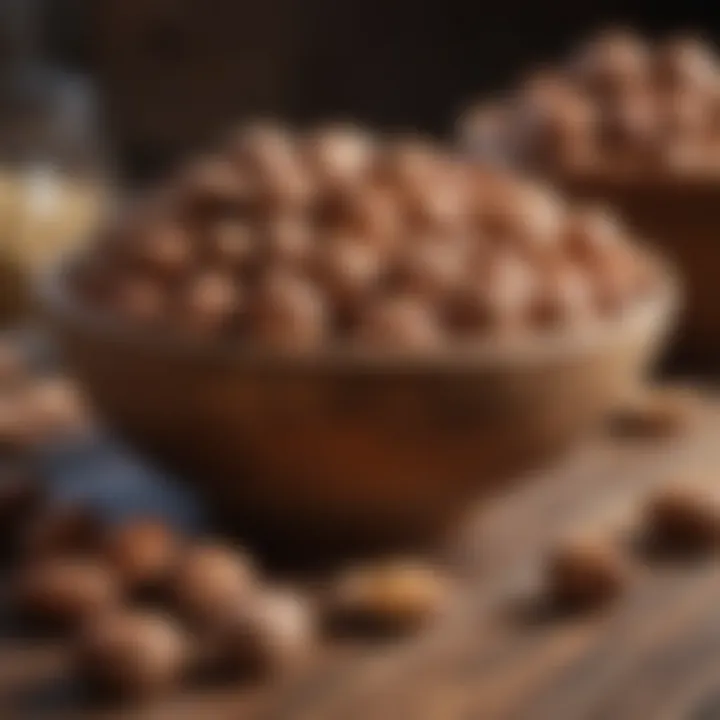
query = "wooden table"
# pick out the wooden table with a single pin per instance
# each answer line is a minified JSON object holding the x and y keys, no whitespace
{"x":654,"y":655}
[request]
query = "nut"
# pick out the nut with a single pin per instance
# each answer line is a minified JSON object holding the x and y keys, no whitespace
{"x":208,"y":304}
{"x":210,"y":582}
{"x":65,"y":592}
{"x":269,"y":635}
{"x":288,"y":312}
{"x":57,"y":409}
{"x":403,"y":323}
{"x":683,"y":516}
{"x":397,"y":596}
{"x":585,"y":573}
{"x":144,"y":552}
{"x":132,"y":654}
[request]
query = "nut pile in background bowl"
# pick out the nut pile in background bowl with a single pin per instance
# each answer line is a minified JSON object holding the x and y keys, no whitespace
{"x":635,"y":125}
{"x":338,"y":335}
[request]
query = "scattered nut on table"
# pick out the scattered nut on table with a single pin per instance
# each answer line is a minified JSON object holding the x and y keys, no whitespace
{"x":132,"y":654}
{"x":394,"y":597}
{"x":210,"y":581}
{"x":683,"y":516}
{"x":144,"y":552}
{"x":62,"y":531}
{"x":65,"y":592}
{"x":582,"y":573}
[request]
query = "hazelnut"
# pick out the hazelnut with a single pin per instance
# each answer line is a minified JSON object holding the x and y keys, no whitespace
{"x":398,"y":596}
{"x":552,"y":123}
{"x":591,"y":232}
{"x":401,"y":322}
{"x":686,"y":62}
{"x":269,"y":635}
{"x":629,"y":125}
{"x":132,"y":654}
{"x":271,"y":155}
{"x":432,"y":267}
{"x":614,"y":62}
{"x":564,"y":297}
{"x":210,"y":581}
{"x":682,"y":116}
{"x":64,"y":530}
{"x":64,"y":591}
{"x":231,"y":244}
{"x":374,"y":212}
{"x":340,"y":156}
{"x":144,"y":552}
{"x":288,"y":241}
{"x":348,"y":269}
{"x":140,"y":300}
{"x":585,"y":573}
{"x":501,"y":299}
{"x":213,"y":184}
{"x":162,"y":248}
{"x":288,"y":312}
{"x":527,"y":216}
{"x":658,"y":412}
{"x":483,"y":130}
{"x":683,"y":516}
{"x":208,"y":304}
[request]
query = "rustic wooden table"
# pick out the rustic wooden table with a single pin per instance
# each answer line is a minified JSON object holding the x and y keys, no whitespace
{"x":654,"y":655}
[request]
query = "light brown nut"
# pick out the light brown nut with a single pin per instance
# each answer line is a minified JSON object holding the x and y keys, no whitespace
{"x":132,"y":654}
{"x":400,"y":323}
{"x":65,"y":592}
{"x":584,"y":573}
{"x":397,"y":596}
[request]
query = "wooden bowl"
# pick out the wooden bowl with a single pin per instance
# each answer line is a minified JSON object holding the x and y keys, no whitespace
{"x":682,"y":217}
{"x":347,"y":448}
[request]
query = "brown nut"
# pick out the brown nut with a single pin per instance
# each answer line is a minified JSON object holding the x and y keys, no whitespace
{"x":210,"y":582}
{"x":686,"y":63}
{"x":144,"y":552}
{"x":399,"y":323}
{"x":565,"y":296}
{"x":616,"y":61}
{"x":398,"y":596}
{"x":132,"y":654}
{"x":590,"y":232}
{"x":373,"y":212}
{"x":500,"y":300}
{"x":140,"y":300}
{"x":230,"y":244}
{"x":684,"y":517}
{"x":432,"y":267}
{"x":212,"y":185}
{"x":585,"y":573}
{"x":63,"y":531}
{"x":161,"y":248}
{"x":65,"y":592}
{"x":270,"y":634}
{"x":629,"y":126}
{"x":340,"y":156}
{"x":287,"y":241}
{"x":288,"y":312}
{"x":348,"y":269}
{"x":208,"y":304}
{"x":659,"y":412}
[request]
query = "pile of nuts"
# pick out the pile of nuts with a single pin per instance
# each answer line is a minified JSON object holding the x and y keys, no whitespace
{"x":146,"y":608}
{"x":296,"y":240}
{"x":618,"y":103}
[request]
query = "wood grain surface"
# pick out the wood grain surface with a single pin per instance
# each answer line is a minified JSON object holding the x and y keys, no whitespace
{"x":653,"y":655}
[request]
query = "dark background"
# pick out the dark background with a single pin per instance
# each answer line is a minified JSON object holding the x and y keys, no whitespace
{"x":172,"y":72}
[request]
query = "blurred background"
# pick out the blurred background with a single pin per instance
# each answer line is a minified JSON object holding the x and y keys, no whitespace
{"x":171,"y":72}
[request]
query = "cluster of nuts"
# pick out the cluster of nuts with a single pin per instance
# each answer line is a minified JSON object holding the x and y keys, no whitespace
{"x":619,"y":103}
{"x":293,"y":240}
{"x":583,"y":573}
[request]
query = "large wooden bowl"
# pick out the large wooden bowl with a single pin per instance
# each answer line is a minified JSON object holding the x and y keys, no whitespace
{"x":345,"y":447}
{"x":682,"y":217}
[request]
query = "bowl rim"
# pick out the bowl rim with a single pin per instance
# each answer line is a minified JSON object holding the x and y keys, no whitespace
{"x":651,"y":314}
